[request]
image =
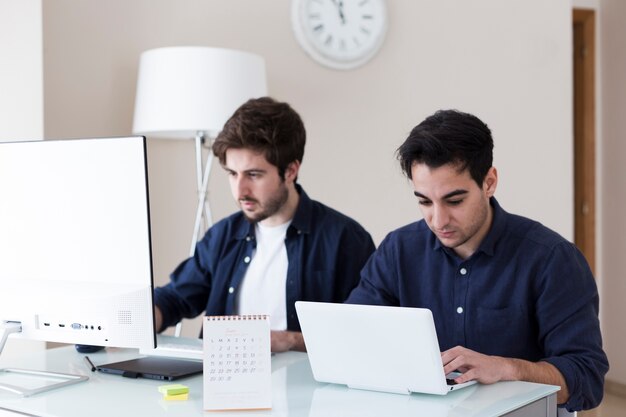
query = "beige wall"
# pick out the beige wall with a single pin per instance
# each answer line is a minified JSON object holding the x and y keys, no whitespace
{"x":613,"y":186}
{"x":507,"y":62}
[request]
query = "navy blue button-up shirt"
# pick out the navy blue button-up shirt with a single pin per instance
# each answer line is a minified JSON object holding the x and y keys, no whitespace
{"x":325,"y":250}
{"x":525,"y":293}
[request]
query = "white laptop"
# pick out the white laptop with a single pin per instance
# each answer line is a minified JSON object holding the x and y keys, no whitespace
{"x":389,"y":349}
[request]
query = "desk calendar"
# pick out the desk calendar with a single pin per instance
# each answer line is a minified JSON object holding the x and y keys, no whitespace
{"x":237,"y":362}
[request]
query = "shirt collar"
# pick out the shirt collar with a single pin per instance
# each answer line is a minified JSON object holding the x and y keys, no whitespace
{"x":498,"y":226}
{"x":301,"y":220}
{"x":487,"y":246}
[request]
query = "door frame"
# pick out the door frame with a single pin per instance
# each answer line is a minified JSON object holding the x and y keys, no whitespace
{"x":584,"y":112}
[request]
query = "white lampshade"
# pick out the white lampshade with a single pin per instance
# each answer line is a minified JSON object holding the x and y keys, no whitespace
{"x":185,"y":90}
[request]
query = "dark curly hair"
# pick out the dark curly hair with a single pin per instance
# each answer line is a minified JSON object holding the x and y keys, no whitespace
{"x":267,"y":126}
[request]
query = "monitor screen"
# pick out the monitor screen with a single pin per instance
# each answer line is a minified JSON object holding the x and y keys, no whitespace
{"x":75,"y":248}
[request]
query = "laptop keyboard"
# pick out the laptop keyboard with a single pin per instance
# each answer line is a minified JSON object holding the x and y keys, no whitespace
{"x":450,"y":377}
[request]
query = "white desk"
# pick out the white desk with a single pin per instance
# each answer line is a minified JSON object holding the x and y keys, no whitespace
{"x":295,"y":394}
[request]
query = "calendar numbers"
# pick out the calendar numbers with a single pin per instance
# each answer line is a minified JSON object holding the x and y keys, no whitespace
{"x":237,"y":355}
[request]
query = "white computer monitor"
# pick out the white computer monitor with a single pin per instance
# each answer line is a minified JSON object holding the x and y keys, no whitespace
{"x":75,"y":247}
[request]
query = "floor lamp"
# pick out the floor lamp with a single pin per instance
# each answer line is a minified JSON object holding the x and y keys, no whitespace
{"x":188,"y":93}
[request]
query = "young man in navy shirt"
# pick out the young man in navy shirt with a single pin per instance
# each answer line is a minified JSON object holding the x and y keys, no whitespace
{"x":511,"y":299}
{"x":280,"y":247}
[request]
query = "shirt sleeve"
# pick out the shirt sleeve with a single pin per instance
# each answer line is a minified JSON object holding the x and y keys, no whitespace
{"x":356,"y":248}
{"x":376,"y":286}
{"x":186,"y":295}
{"x":569,"y":329}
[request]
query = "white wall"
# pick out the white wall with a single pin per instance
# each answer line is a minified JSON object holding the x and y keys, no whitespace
{"x":21,"y":94}
{"x":507,"y":62}
{"x":21,"y":71}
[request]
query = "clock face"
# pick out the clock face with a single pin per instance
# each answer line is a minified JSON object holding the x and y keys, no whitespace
{"x":341,"y":34}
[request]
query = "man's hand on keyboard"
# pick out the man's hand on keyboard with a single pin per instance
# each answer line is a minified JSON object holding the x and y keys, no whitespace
{"x":283,"y":341}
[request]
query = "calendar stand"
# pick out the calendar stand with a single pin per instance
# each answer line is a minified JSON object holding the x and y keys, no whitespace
{"x":237,"y":362}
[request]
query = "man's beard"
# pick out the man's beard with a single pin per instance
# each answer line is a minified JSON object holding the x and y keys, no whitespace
{"x":271,"y":207}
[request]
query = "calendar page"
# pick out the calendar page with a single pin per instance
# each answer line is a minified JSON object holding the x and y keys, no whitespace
{"x":237,"y":362}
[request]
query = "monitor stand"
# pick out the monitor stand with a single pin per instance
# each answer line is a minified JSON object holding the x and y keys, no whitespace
{"x":60,"y":379}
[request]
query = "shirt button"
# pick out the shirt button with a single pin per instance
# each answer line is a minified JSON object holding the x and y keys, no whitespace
{"x":246,"y":259}
{"x":248,"y":238}
{"x":463,"y":271}
{"x":231,"y":290}
{"x":459,"y":310}
{"x":299,"y":232}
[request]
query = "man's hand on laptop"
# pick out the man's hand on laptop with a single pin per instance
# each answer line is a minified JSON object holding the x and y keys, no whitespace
{"x":473,"y":365}
{"x":283,"y":341}
{"x":489,"y":369}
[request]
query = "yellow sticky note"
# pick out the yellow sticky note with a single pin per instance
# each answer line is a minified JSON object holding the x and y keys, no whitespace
{"x":173,"y":389}
{"x":178,"y":397}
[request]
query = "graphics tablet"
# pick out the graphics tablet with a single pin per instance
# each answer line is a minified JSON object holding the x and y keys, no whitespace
{"x":161,"y":368}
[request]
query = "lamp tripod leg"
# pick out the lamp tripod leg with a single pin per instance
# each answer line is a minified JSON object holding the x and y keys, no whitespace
{"x":203,"y":211}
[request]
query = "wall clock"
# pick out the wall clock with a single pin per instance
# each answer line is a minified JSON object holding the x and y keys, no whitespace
{"x":340,"y":34}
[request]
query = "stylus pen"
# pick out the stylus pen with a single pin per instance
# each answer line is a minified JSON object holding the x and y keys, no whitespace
{"x":90,"y":364}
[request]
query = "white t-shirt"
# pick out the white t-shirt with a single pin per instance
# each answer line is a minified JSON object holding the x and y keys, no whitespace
{"x":263,"y":289}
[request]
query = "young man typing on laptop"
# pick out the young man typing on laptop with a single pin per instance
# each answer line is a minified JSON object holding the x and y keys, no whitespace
{"x":280,"y":247}
{"x":511,"y":299}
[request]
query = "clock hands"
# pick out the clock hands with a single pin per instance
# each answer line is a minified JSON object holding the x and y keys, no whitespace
{"x":339,"y":4}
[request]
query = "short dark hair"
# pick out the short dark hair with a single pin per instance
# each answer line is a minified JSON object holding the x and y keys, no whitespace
{"x":267,"y":126}
{"x":449,"y":136}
